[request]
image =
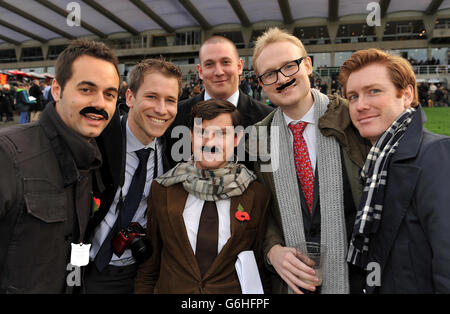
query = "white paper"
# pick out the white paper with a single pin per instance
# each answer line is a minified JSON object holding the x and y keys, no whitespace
{"x":80,"y":254}
{"x":248,"y":274}
{"x":31,"y":98}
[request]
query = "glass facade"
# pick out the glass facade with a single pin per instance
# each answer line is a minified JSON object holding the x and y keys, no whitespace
{"x":340,"y":57}
{"x":320,"y":59}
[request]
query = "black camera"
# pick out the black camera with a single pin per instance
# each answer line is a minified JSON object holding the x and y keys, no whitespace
{"x":134,"y":238}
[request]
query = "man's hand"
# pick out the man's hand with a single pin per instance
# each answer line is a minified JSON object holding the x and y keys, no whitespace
{"x":291,"y":269}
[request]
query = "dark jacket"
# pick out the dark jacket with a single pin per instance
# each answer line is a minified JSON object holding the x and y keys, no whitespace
{"x":23,"y":104}
{"x":41,"y":213}
{"x":252,"y":111}
{"x":412,"y":244}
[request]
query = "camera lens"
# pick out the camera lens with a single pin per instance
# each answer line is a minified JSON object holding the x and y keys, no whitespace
{"x":141,"y":249}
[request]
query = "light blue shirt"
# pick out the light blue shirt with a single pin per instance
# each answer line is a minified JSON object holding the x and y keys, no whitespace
{"x":132,"y":162}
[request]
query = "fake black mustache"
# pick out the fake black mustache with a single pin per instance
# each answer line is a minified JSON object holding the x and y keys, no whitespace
{"x":286,"y":85}
{"x":87,"y":110}
{"x":209,"y":149}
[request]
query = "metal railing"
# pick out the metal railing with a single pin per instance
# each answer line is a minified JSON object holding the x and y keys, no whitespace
{"x":431,"y":69}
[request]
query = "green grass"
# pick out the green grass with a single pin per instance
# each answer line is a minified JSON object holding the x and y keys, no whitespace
{"x":438,"y":120}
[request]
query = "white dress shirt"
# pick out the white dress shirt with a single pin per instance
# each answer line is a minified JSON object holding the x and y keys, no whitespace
{"x":191,"y":215}
{"x":234,"y":99}
{"x":132,"y":162}
{"x":309,"y":134}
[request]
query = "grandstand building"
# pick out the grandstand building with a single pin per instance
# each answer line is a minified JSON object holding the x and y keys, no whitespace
{"x":34,"y":32}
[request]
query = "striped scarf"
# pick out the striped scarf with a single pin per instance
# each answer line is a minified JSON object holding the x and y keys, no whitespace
{"x":374,"y":174}
{"x":209,"y":184}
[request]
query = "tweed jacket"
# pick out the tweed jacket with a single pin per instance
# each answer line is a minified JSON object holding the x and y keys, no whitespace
{"x":173,"y":267}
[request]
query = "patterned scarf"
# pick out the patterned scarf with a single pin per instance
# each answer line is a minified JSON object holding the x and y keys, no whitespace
{"x":209,"y":184}
{"x":374,"y":174}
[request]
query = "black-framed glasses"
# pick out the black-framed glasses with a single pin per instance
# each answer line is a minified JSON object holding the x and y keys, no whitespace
{"x":288,"y":69}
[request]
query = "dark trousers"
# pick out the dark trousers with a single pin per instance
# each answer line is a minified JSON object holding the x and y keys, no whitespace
{"x":112,"y":280}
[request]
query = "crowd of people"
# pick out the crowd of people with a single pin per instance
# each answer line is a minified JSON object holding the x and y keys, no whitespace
{"x":25,"y":98}
{"x":164,"y":195}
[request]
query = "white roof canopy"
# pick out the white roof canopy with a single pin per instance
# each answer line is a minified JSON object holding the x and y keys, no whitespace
{"x":42,"y":20}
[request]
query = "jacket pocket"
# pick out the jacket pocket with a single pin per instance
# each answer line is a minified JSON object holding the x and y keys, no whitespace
{"x":45,"y":201}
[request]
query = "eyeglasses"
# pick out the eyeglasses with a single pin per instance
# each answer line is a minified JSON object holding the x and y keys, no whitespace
{"x":288,"y":69}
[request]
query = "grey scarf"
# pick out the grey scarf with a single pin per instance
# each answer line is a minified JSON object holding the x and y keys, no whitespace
{"x":333,"y":234}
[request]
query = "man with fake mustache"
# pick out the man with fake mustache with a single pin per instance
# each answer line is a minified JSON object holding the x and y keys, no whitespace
{"x":315,"y":181}
{"x":204,"y":212}
{"x":48,"y":169}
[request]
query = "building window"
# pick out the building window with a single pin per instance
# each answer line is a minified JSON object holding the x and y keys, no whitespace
{"x":355,"y":33}
{"x":187,"y":38}
{"x":7,"y":56}
{"x":254,"y":37}
{"x":340,"y":57}
{"x":54,"y":51}
{"x":32,"y":54}
{"x":159,"y":41}
{"x":320,"y":59}
{"x":404,"y":31}
{"x":313,"y":35}
{"x":127,"y":43}
{"x":442,"y":23}
{"x":235,"y":37}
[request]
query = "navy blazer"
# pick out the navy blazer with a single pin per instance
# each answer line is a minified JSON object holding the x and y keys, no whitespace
{"x":412,"y":244}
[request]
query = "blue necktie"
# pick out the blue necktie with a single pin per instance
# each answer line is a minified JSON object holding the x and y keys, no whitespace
{"x":130,"y":205}
{"x":136,"y":190}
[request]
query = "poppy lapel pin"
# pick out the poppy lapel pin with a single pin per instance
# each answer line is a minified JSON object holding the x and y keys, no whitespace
{"x":241,"y":214}
{"x":95,"y":204}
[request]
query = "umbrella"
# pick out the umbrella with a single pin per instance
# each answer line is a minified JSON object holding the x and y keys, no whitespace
{"x":17,"y":72}
{"x":36,"y":75}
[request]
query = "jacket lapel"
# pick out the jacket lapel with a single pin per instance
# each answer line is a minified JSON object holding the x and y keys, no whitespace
{"x":176,"y":201}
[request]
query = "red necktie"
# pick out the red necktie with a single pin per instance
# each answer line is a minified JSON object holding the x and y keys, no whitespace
{"x":302,"y":163}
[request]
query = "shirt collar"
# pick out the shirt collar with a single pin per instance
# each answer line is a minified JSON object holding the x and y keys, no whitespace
{"x":308,"y":117}
{"x":233,"y":98}
{"x":133,"y":144}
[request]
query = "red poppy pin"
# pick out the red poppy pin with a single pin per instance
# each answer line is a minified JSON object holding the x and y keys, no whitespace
{"x":241,"y":214}
{"x":95,"y":204}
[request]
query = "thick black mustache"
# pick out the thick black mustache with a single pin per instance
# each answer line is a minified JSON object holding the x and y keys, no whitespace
{"x":87,"y":110}
{"x":286,"y":85}
{"x":210,"y":149}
